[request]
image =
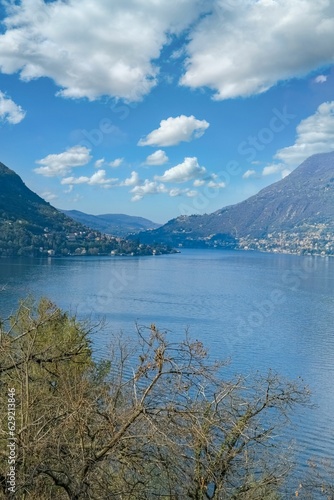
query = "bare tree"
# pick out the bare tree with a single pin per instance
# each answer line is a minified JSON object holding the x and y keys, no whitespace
{"x":158,"y":419}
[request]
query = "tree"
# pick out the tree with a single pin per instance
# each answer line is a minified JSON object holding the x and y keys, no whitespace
{"x":157,"y":419}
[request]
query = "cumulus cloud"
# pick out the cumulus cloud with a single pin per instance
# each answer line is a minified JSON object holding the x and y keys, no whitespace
{"x":175,"y":130}
{"x":199,"y":182}
{"x":133,"y":180}
{"x":9,"y":111}
{"x":147,"y":188}
{"x":248,"y":173}
{"x":321,"y":79}
{"x":219,"y":185}
{"x":116,"y":163}
{"x":75,"y":180}
{"x":98,"y":178}
{"x":61,"y":164}
{"x":91,"y":49}
{"x":191,"y":193}
{"x":272,"y":169}
{"x":176,"y":192}
{"x":179,"y":192}
{"x":99,"y":163}
{"x":159,"y":157}
{"x":238,"y":49}
{"x":186,"y":171}
{"x":315,"y":134}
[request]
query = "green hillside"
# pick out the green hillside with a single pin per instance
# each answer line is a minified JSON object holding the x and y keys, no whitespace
{"x":31,"y":226}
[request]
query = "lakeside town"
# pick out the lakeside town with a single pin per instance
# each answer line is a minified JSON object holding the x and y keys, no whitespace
{"x":317,"y":240}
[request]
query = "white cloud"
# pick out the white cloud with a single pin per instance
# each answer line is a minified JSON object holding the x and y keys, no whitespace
{"x":315,"y":134}
{"x":116,"y":163}
{"x":99,"y":163}
{"x":175,"y":130}
{"x":186,"y":171}
{"x":147,"y":188}
{"x":48,"y":196}
{"x":159,"y":157}
{"x":61,"y":164}
{"x":179,"y":192}
{"x":178,"y":53}
{"x":245,"y":47}
{"x":9,"y":111}
{"x":176,"y":192}
{"x":199,"y":182}
{"x":75,"y":180}
{"x":191,"y":193}
{"x":213,"y":184}
{"x":321,"y":79}
{"x":90,"y":48}
{"x":133,"y":180}
{"x":98,"y":178}
{"x":248,"y":173}
{"x":272,"y":169}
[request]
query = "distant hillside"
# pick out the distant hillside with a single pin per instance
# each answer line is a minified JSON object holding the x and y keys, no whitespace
{"x":31,"y":226}
{"x":295,"y":214}
{"x":115,"y":224}
{"x":17,"y":202}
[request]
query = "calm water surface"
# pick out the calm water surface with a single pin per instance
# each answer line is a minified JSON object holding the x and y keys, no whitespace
{"x":260,"y":310}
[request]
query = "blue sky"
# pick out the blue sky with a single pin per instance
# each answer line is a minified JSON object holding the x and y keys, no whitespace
{"x":161,"y":108}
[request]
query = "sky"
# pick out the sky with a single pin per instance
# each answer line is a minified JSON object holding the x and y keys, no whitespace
{"x":162,"y":108}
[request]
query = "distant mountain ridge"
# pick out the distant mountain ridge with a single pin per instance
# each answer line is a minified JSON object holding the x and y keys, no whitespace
{"x":115,"y":224}
{"x":283,"y":216}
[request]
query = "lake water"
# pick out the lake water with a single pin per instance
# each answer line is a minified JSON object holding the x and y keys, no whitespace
{"x":260,"y":310}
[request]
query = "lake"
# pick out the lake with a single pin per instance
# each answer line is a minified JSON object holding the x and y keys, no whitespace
{"x":260,"y":310}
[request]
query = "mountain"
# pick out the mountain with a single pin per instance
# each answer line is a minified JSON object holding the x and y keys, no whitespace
{"x":296,"y":214}
{"x":18,"y":204}
{"x":116,"y":224}
{"x":31,"y":226}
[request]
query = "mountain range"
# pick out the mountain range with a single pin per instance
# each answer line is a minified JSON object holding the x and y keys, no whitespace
{"x":295,"y":214}
{"x":115,"y":224}
{"x":30,"y":226}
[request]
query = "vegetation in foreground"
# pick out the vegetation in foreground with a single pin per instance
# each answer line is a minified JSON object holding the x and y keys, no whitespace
{"x":156,"y":420}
